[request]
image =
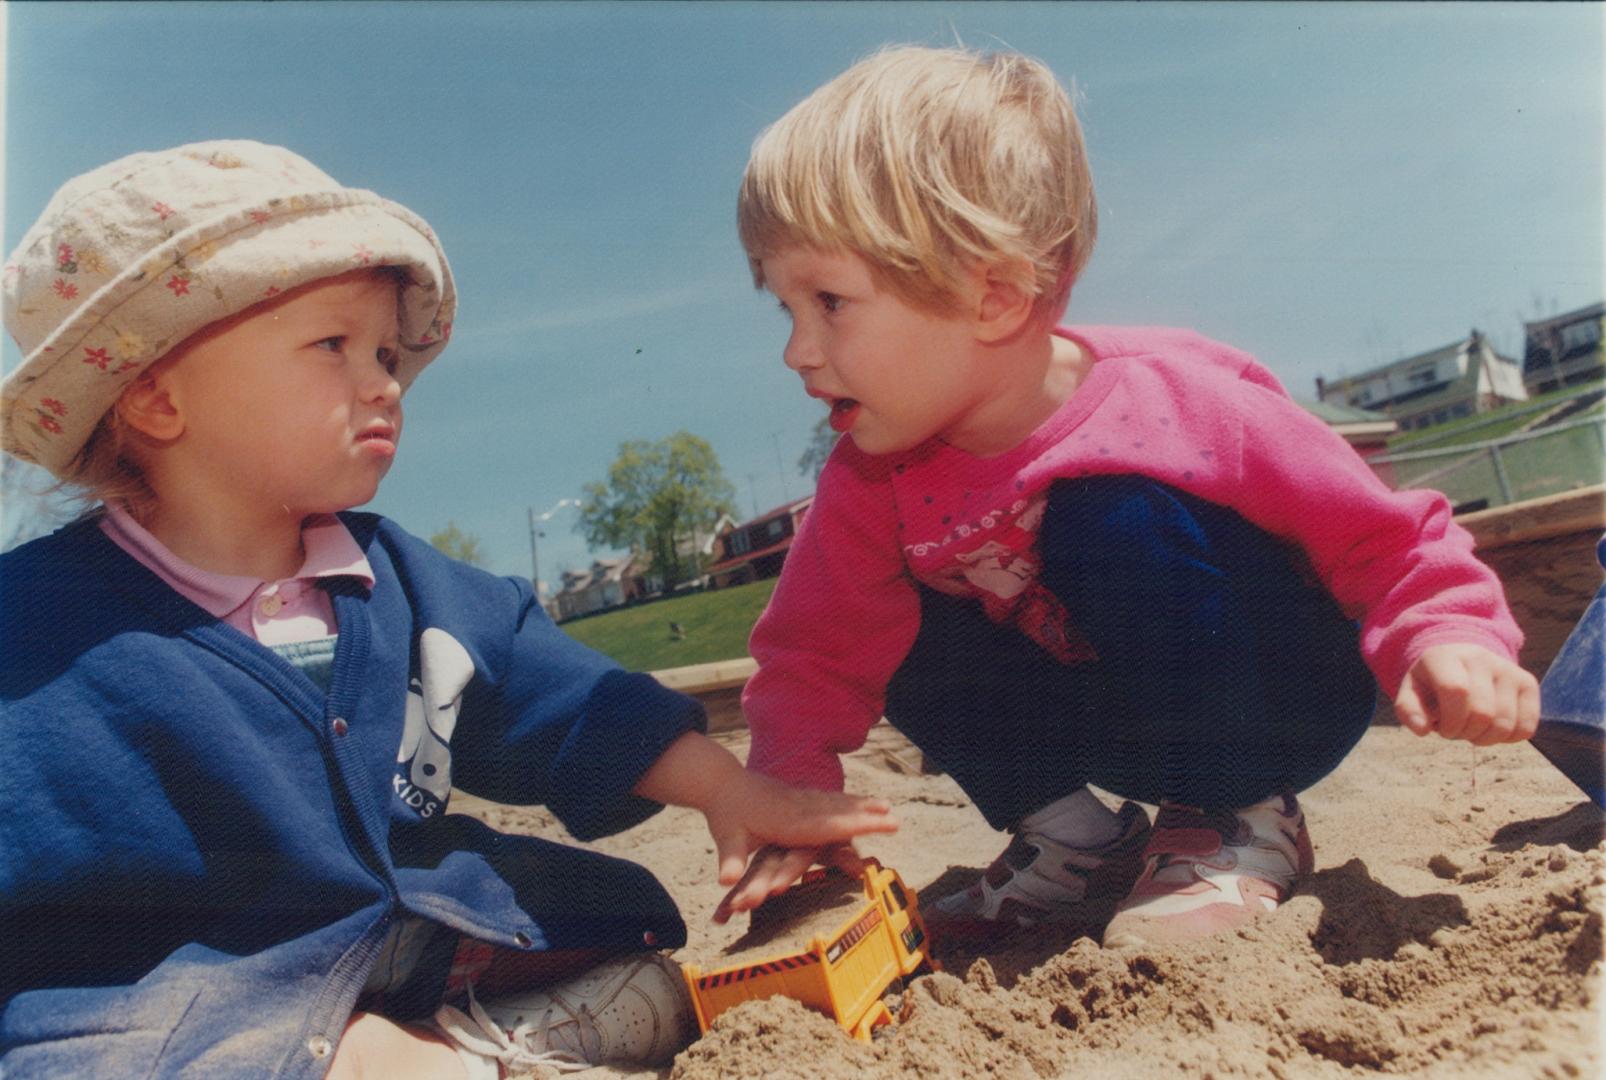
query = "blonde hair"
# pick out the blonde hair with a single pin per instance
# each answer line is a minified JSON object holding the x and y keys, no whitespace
{"x":925,"y":162}
{"x":104,"y":472}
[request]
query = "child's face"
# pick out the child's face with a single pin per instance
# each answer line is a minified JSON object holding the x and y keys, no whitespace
{"x":294,"y":408}
{"x":893,"y":374}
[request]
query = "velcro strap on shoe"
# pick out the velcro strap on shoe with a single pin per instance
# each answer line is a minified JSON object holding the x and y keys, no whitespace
{"x":1196,"y":841}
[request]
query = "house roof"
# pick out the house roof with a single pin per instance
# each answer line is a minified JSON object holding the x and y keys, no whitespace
{"x":1593,"y":311}
{"x":739,"y":560}
{"x":601,"y":572}
{"x":1431,"y":397}
{"x":1479,"y":352}
{"x":1443,"y":352}
{"x":705,"y":541}
{"x":1359,"y":426}
{"x":787,"y":508}
{"x":1331,"y":412}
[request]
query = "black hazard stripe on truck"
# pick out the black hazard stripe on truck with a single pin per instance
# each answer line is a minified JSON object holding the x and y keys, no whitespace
{"x":753,"y":971}
{"x":853,"y":935}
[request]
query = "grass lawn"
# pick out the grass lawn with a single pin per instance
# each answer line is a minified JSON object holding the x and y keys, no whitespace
{"x":716,"y":625}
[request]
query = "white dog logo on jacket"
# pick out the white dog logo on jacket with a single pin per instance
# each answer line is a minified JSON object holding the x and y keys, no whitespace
{"x":424,"y":777}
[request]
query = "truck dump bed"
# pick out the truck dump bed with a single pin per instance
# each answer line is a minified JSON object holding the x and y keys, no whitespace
{"x":844,"y":974}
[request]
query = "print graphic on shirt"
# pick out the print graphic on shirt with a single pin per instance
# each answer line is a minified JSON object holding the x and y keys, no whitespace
{"x":997,"y":569}
{"x":993,"y":559}
{"x":1001,"y":571}
{"x":423,"y":777}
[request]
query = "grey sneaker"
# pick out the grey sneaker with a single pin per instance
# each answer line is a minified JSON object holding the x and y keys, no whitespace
{"x":635,"y":1010}
{"x":1039,"y":880}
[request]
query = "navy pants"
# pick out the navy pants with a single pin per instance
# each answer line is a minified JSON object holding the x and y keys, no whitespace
{"x":1224,"y":674}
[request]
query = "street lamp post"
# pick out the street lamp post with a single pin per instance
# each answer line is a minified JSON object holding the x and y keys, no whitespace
{"x":535,"y":566}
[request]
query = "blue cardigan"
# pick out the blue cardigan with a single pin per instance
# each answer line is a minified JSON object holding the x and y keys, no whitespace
{"x":201,"y":852}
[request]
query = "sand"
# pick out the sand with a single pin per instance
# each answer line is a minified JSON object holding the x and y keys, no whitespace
{"x":787,"y":924}
{"x":1452,"y":929}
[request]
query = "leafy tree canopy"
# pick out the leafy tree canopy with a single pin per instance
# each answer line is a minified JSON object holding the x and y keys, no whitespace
{"x":460,"y":545}
{"x":657,"y":497}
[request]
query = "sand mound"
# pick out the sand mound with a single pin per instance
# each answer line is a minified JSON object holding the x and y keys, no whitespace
{"x":1437,"y":990}
{"x":1451,"y":930}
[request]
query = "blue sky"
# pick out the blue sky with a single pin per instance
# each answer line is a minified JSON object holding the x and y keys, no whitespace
{"x":1330,"y":186}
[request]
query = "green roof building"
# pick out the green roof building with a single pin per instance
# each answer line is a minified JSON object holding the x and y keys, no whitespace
{"x":1456,"y":380}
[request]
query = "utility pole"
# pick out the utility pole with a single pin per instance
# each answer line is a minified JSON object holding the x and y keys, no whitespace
{"x":535,"y":569}
{"x":535,"y":566}
{"x":775,"y":437}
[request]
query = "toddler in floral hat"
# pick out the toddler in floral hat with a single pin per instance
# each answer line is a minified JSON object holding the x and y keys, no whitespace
{"x":233,"y":711}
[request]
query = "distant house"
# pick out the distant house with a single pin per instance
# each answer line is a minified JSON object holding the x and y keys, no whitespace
{"x":1564,"y":350}
{"x":697,"y":548}
{"x":1459,"y":379}
{"x":608,"y":583}
{"x":707,"y":543}
{"x":755,"y":549}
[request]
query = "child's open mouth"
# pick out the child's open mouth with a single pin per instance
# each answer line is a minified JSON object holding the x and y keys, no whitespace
{"x":843,"y":410}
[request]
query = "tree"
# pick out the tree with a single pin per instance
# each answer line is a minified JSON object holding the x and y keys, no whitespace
{"x":822,"y":440}
{"x":460,"y":545}
{"x":656,"y":498}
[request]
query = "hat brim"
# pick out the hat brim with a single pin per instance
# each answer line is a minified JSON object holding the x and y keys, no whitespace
{"x":52,"y":402}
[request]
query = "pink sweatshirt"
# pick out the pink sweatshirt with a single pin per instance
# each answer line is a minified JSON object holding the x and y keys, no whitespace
{"x":1166,"y":404}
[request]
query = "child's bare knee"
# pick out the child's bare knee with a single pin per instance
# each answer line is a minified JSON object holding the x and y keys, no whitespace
{"x":374,"y":1048}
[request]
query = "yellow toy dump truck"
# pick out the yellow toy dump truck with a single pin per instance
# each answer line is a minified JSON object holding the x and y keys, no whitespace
{"x":843,"y":975}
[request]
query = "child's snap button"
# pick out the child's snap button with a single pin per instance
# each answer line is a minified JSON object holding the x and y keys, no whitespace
{"x":339,"y":725}
{"x":320,"y":1046}
{"x":271,"y":604}
{"x":522,"y":940}
{"x":649,"y":938}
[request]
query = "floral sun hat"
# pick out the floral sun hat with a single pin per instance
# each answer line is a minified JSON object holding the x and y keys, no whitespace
{"x":131,"y":258}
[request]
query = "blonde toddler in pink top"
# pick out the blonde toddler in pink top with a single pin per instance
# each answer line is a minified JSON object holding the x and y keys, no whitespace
{"x":1057,"y":556}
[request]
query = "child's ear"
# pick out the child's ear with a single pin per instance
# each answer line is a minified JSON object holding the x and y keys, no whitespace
{"x":1003,"y":305}
{"x":146,"y":405}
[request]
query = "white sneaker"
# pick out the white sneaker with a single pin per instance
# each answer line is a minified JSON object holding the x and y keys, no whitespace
{"x":635,"y":1010}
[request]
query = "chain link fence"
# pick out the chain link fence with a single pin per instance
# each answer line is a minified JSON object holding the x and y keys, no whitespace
{"x":1524,"y":466}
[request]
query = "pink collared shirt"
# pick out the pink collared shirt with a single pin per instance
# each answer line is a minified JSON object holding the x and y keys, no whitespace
{"x":272,"y":612}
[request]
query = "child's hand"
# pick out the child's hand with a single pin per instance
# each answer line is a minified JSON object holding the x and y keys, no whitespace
{"x":746,"y":811}
{"x":787,"y":826}
{"x":1467,"y":692}
{"x":773,"y":869}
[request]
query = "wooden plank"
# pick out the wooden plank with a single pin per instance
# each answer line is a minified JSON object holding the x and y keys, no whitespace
{"x":1578,"y":511}
{"x":718,"y":675}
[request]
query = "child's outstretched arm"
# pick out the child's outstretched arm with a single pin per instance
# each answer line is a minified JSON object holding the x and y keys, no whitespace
{"x":1468,"y":692}
{"x":747,"y":811}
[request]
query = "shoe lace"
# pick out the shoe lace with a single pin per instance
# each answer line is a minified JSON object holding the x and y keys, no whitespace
{"x":478,"y":1032}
